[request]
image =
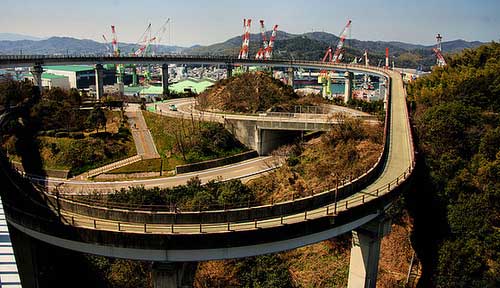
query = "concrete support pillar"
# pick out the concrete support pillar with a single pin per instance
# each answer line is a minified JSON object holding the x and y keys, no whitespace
{"x":365,"y":252}
{"x":99,"y":85}
{"x":290,"y":76}
{"x":173,"y":275}
{"x":229,"y":68}
{"x":120,"y":73}
{"x":134,"y":76}
{"x":164,"y":79}
{"x":37,"y":71}
{"x":348,"y":86}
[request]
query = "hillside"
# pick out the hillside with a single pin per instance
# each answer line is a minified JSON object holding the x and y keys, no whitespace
{"x":248,"y":93}
{"x":457,"y":119}
{"x":312,"y":46}
{"x":68,"y":45}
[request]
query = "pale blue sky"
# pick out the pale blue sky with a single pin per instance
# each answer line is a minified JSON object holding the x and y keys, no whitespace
{"x":207,"y":22}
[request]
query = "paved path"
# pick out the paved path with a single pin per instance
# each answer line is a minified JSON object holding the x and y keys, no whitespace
{"x":143,"y":140}
{"x":244,"y":170}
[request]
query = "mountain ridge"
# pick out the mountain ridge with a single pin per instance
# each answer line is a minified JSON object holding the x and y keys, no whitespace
{"x":306,"y":46}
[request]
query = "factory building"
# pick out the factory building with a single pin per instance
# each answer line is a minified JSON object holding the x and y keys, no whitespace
{"x":81,"y":76}
{"x":50,"y":80}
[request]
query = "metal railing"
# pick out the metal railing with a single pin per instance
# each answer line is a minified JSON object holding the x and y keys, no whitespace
{"x":330,"y":210}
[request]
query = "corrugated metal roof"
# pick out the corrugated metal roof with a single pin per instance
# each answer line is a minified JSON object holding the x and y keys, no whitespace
{"x":152,"y":90}
{"x":195,"y":86}
{"x":71,"y":68}
{"x":44,"y":76}
{"x":52,"y":76}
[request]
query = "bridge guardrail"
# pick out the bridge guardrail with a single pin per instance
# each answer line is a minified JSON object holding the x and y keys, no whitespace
{"x":331,"y":210}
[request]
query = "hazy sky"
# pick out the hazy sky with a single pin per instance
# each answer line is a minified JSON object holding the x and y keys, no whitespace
{"x":208,"y":22}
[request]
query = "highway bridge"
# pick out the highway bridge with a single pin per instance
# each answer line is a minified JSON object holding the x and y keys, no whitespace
{"x":166,"y":236}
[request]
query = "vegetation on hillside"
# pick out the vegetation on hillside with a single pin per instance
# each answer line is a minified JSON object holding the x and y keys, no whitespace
{"x":181,"y":141}
{"x":348,"y":150}
{"x":457,"y":118}
{"x":250,"y":93}
{"x":58,"y":131}
{"x":193,"y":196}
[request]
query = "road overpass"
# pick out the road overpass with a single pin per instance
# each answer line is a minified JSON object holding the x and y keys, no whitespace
{"x":263,"y":131}
{"x":356,"y":205}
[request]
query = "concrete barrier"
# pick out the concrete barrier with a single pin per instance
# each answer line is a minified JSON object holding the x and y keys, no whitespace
{"x":216,"y":162}
{"x":114,"y":165}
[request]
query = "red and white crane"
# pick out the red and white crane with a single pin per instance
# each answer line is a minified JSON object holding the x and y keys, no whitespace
{"x":114,"y":42}
{"x":144,"y":44}
{"x":440,"y":61}
{"x":269,"y":50}
{"x":333,"y":57}
{"x":246,"y":39}
{"x":339,"y":51}
{"x":336,"y":57}
{"x":260,"y":54}
{"x":266,"y":51}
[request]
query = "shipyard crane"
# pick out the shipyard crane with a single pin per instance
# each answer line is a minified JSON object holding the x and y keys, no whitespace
{"x":260,"y":54}
{"x":337,"y":56}
{"x":246,"y":39}
{"x":145,"y":42}
{"x":440,"y":61}
{"x":159,"y":35}
{"x":116,"y":53}
{"x":339,"y":51}
{"x":333,"y":57}
{"x":269,"y":51}
{"x":114,"y":42}
{"x":266,"y":51}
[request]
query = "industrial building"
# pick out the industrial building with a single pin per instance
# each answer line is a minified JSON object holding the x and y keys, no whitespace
{"x":50,"y":81}
{"x":187,"y":85}
{"x":81,"y":76}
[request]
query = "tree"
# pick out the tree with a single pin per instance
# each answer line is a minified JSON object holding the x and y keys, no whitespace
{"x":97,"y":118}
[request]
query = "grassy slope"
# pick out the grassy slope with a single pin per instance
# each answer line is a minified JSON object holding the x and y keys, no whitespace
{"x":63,"y":153}
{"x":164,"y":129}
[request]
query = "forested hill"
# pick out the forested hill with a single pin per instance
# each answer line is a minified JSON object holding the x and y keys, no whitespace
{"x":312,"y":46}
{"x":457,"y":198}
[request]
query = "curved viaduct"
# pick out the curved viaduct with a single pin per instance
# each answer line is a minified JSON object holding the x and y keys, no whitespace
{"x":163,"y":236}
